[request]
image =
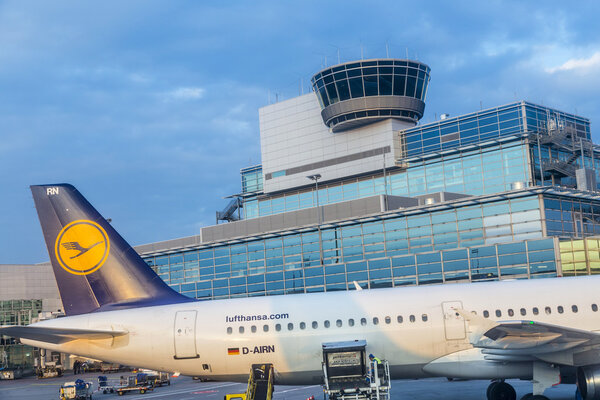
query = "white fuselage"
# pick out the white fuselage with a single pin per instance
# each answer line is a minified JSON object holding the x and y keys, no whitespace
{"x":415,"y":328}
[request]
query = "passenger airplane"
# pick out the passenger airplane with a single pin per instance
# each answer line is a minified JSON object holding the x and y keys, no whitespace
{"x":120,"y":311}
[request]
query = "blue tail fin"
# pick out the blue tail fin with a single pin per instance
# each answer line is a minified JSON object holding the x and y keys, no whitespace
{"x":95,"y":268}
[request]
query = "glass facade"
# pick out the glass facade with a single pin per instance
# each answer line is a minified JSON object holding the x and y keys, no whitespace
{"x":568,"y":217}
{"x":540,"y":118}
{"x":265,"y":266}
{"x":487,"y":125}
{"x":580,"y":256}
{"x":252,"y":179}
{"x":17,"y":312}
{"x":481,"y":171}
{"x":461,"y":131}
{"x":524,"y":259}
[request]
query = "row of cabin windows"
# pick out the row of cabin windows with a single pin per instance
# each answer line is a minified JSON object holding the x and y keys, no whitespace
{"x":339,"y":323}
{"x":400,"y":319}
{"x":536,"y":311}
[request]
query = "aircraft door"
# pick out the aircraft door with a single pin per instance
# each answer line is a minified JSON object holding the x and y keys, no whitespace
{"x":454,"y":324}
{"x":185,"y":335}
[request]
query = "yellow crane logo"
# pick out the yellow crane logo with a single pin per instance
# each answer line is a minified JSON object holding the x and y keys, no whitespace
{"x":82,"y":247}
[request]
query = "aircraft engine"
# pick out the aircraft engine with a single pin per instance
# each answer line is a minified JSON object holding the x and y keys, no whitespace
{"x":588,"y":382}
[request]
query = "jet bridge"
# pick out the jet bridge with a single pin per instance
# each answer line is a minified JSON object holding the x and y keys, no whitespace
{"x":350,"y":375}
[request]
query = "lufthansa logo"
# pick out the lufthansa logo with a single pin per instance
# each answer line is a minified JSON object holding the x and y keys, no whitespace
{"x":82,"y":247}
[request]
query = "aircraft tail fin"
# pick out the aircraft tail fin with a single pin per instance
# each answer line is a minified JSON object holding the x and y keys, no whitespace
{"x":95,"y":268}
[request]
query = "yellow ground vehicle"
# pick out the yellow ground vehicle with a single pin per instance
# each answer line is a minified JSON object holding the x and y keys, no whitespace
{"x":236,"y":396}
{"x":260,"y":384}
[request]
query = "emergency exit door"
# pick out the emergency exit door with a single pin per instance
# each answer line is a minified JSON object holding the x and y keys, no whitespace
{"x":454,"y":324}
{"x":185,"y":335}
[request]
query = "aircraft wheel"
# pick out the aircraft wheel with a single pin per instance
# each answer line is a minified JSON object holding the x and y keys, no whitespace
{"x":528,"y":396}
{"x":502,"y":391}
{"x":489,"y":389}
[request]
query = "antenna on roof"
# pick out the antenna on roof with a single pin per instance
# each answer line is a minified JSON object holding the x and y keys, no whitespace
{"x":407,"y":53}
{"x":387,"y":50}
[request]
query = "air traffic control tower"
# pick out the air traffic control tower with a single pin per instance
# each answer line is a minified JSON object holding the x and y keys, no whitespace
{"x":359,"y":93}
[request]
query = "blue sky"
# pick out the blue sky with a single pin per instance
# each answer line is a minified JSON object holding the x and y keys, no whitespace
{"x":150,"y":108}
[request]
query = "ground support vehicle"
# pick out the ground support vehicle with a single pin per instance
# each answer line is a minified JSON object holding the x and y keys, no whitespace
{"x":49,"y":370}
{"x":348,"y":374}
{"x":260,"y":384}
{"x":135,"y":383}
{"x":160,"y":379}
{"x":110,"y":367}
{"x":108,"y":385}
{"x":11,"y":373}
{"x":78,"y":390}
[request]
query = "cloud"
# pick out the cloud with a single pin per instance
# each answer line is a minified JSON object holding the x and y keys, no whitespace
{"x":578,"y":64}
{"x":185,"y":94}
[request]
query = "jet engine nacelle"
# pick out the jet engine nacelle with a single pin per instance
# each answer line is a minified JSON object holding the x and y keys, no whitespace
{"x":588,"y":382}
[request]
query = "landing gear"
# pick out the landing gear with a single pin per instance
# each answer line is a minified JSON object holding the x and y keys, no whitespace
{"x":501,"y":390}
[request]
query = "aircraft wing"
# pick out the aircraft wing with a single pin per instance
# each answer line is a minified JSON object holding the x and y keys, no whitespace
{"x":531,"y":340}
{"x":57,"y":335}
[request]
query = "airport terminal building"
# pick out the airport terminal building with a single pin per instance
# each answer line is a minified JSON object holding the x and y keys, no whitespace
{"x":352,"y":190}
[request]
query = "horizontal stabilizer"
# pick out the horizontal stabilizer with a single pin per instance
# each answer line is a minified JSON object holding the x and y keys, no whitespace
{"x":57,"y":335}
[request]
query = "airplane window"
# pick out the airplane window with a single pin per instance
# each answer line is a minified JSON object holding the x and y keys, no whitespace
{"x":315,"y":324}
{"x":574,"y":308}
{"x":548,"y":310}
{"x":351,"y":322}
{"x":253,"y":328}
{"x":594,"y":307}
{"x":265,"y":328}
{"x":375,"y":320}
{"x":486,"y":313}
{"x":326,"y":324}
{"x":302,"y":325}
{"x":511,"y":313}
{"x":412,"y":318}
{"x":338,"y":323}
{"x":363,"y":321}
{"x":229,"y":330}
{"x":560,"y":309}
{"x":523,"y":311}
{"x":400,"y":319}
{"x":388,"y":320}
{"x":277,"y":327}
{"x":424,"y":317}
{"x":498,"y":313}
{"x":241,"y":329}
{"x":290,"y":326}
